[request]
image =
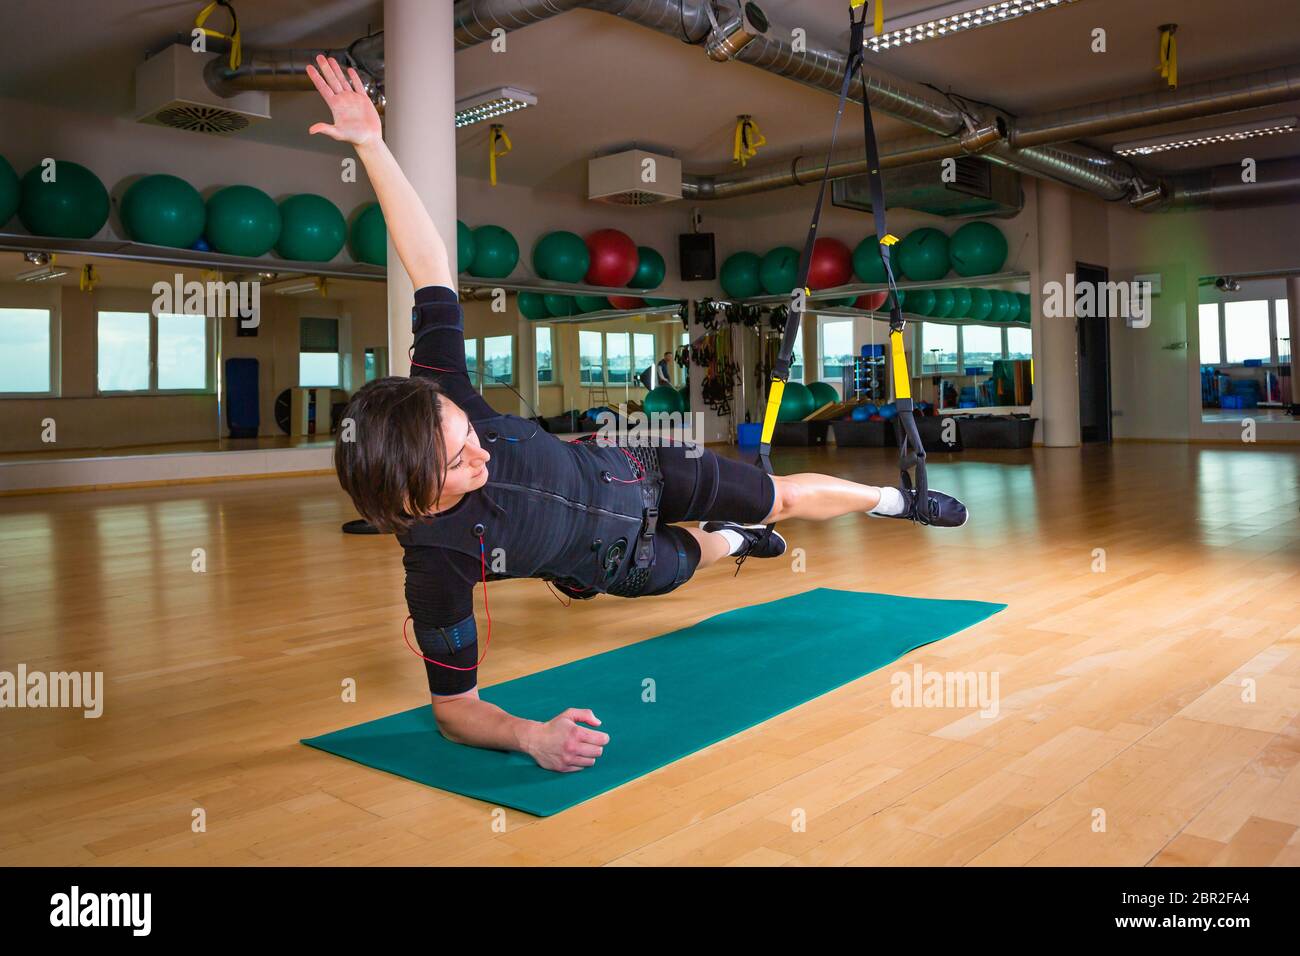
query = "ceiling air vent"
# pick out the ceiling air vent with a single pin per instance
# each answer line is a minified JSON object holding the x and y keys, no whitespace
{"x":634,"y":178}
{"x":978,"y":188}
{"x":170,"y":91}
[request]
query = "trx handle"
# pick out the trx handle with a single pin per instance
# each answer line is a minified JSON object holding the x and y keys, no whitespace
{"x":911,"y":462}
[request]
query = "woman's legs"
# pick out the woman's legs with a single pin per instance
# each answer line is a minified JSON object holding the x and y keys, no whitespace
{"x":819,"y":497}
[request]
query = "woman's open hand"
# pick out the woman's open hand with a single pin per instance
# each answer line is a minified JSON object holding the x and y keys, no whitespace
{"x":356,"y":120}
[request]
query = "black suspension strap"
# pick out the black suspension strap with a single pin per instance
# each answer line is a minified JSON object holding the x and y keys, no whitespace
{"x":911,"y":451}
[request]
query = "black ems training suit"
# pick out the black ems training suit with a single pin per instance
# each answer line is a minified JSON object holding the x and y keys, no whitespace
{"x":569,"y":512}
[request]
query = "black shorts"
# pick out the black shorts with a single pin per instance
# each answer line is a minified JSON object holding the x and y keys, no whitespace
{"x":707,"y":487}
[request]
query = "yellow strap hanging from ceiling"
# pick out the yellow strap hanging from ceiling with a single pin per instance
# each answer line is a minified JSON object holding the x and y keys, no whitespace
{"x":236,"y":53}
{"x":880,"y":17}
{"x":747,"y":140}
{"x":1169,"y":54}
{"x":497,"y":138}
{"x":88,"y":277}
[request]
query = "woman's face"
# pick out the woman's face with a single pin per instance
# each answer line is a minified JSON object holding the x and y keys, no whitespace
{"x":466,"y":460}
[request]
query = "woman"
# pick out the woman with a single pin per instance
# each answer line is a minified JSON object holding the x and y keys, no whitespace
{"x":477,"y":495}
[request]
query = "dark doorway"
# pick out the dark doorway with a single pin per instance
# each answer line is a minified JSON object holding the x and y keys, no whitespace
{"x":1094,"y":358}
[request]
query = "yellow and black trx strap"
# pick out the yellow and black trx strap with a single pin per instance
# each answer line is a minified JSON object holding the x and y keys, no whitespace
{"x":911,"y":451}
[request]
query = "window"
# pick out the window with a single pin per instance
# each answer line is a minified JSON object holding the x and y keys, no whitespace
{"x":643,"y":355}
{"x":318,"y":353}
{"x":498,"y":360}
{"x":25,"y":352}
{"x":591,"y":357}
{"x":837,"y":349}
{"x":545,"y":362}
{"x":938,"y":347}
{"x":1020,"y":343}
{"x":1211,"y":352}
{"x":1246,"y":331}
{"x":182,"y":352}
{"x":981,"y":345}
{"x":618,"y":357}
{"x":123,"y":352}
{"x":471,"y":362}
{"x":376,"y":363}
{"x":796,"y":360}
{"x":1282,"y":316}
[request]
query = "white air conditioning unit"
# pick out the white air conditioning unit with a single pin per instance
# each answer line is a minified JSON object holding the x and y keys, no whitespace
{"x":634,"y":178}
{"x":170,"y":91}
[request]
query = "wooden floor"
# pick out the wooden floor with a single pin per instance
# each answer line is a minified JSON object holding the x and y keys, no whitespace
{"x":1121,"y":691}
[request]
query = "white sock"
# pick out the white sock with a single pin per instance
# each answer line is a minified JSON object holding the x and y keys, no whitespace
{"x":892,"y":502}
{"x":734,"y":539}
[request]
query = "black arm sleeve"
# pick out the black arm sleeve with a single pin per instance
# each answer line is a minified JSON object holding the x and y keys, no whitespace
{"x":439,"y":327}
{"x":440,"y":597}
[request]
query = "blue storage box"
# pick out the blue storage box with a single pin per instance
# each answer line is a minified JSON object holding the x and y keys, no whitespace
{"x":872,"y":351}
{"x":749,"y":434}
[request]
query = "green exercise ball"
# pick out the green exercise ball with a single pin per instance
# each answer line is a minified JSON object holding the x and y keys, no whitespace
{"x":867,"y":264}
{"x":797,"y":403}
{"x":163,"y":211}
{"x":684,"y":399}
{"x":368,"y":238}
{"x":944,"y":301}
{"x":311,"y":229}
{"x":960,"y":303}
{"x":1005,"y":306}
{"x":73,"y":206}
{"x":923,"y":255}
{"x":532,"y":306}
{"x":978,"y":248}
{"x":650,"y":269}
{"x":823,"y":393}
{"x":592,"y":303}
{"x":495,"y":253}
{"x":663,"y":399}
{"x":1026,"y":311}
{"x":464,"y":247}
{"x":561,"y":257}
{"x":10,"y":192}
{"x":981,"y":305}
{"x":560,"y":305}
{"x":779,"y":270}
{"x":242,"y":221}
{"x":740,"y":275}
{"x":921,"y":302}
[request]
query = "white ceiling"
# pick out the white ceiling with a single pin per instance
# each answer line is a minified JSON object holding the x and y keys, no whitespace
{"x":603,"y":83}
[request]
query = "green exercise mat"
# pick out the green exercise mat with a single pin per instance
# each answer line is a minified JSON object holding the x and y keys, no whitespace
{"x":710,"y":680}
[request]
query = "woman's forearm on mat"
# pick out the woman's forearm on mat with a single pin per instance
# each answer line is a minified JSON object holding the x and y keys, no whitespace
{"x":480,"y":724}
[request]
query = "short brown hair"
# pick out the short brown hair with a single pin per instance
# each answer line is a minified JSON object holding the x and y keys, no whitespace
{"x":396,"y":455}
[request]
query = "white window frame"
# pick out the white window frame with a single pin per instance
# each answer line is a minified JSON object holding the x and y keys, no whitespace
{"x":209,"y":360}
{"x":54,"y":352}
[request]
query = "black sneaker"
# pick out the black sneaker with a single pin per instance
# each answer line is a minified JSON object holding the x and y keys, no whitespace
{"x":945,"y":511}
{"x":760,"y":541}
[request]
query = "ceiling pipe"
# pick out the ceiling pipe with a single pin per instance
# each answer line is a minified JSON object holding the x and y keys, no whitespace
{"x":1221,"y":187}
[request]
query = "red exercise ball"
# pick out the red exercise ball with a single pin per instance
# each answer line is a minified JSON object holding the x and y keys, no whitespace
{"x":614,"y":258}
{"x":624,"y":301}
{"x":872,"y":301}
{"x":832,"y":264}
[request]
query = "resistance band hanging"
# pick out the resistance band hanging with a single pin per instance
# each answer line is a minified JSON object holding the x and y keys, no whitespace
{"x":236,"y":55}
{"x":911,"y":451}
{"x":747,"y":140}
{"x":1169,"y":54}
{"x":497,"y":138}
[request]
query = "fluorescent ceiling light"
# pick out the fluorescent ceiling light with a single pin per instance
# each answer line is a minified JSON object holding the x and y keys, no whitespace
{"x":942,"y":21}
{"x":1208,"y":137}
{"x":310,"y":286}
{"x":41,"y":274}
{"x":492,"y":104}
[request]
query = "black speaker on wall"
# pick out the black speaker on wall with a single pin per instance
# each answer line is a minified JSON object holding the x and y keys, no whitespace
{"x":697,"y":257}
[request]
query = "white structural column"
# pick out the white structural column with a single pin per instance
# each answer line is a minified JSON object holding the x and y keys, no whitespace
{"x":1293,"y":321}
{"x":1056,"y":372}
{"x":420,"y":128}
